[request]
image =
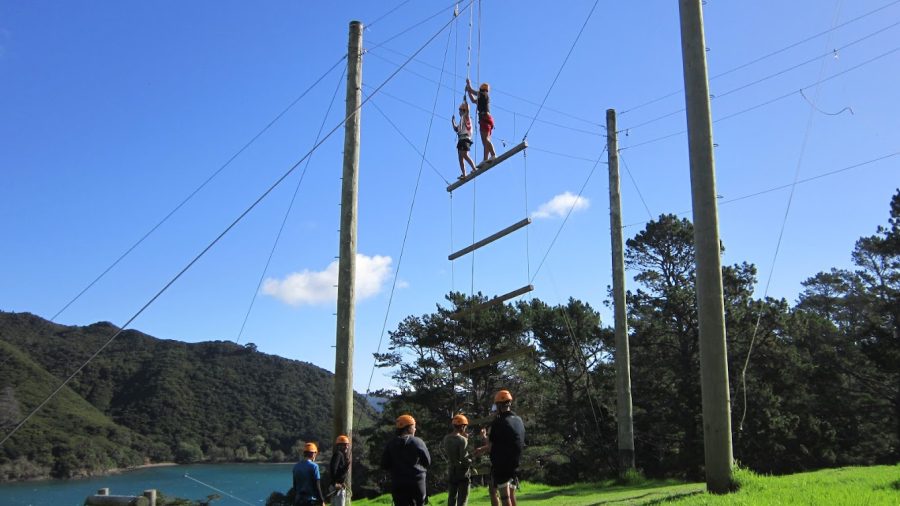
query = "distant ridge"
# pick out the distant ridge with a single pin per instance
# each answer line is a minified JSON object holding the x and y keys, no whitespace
{"x":146,"y":399}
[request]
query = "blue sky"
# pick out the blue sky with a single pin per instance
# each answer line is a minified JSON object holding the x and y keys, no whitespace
{"x":115,"y":112}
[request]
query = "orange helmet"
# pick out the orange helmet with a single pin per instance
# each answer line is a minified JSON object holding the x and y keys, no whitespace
{"x":342,"y":439}
{"x":460,"y":420}
{"x":503,"y":396}
{"x":310,"y":448}
{"x":404,"y":421}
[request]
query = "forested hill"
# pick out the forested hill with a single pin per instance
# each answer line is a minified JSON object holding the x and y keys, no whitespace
{"x":147,"y":399}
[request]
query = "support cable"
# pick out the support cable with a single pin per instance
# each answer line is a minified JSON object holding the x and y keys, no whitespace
{"x":769,"y":55}
{"x":787,"y":210}
{"x":186,"y":475}
{"x":580,"y":351}
{"x":213,"y":243}
{"x":405,"y":138}
{"x":443,"y":10}
{"x":827,"y":54}
{"x":776,"y":99}
{"x":782,"y":187}
{"x":566,"y":219}
{"x":386,"y":14}
{"x":493,"y":107}
{"x":287,"y":212}
{"x":640,"y":195}
{"x":494,"y":91}
{"x":561,"y":67}
{"x":196,"y":190}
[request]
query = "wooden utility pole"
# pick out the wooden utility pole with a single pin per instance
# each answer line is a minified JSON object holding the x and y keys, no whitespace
{"x":343,"y":357}
{"x":710,"y":304}
{"x":623,"y":356}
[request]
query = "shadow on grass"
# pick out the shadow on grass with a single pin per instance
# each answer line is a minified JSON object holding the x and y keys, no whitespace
{"x":655,"y":497}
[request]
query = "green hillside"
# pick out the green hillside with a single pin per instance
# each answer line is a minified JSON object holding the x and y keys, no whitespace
{"x":214,"y":401}
{"x":67,"y":437}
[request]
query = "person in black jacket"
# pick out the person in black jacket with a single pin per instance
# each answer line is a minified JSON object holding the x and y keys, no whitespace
{"x":339,"y":470}
{"x":505,"y":444}
{"x":407,"y":458}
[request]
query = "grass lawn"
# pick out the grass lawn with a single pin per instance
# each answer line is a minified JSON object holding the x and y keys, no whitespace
{"x":875,"y":486}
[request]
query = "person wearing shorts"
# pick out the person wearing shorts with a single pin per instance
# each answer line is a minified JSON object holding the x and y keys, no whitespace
{"x":482,"y":100}
{"x":463,"y":138}
{"x":506,"y":440}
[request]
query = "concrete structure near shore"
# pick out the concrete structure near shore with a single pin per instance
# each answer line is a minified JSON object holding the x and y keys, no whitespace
{"x":102,"y":498}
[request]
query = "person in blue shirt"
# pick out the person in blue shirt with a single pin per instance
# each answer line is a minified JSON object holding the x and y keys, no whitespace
{"x":307,"y":488}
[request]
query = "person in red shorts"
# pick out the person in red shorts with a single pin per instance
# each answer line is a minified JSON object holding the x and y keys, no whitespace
{"x":482,"y":101}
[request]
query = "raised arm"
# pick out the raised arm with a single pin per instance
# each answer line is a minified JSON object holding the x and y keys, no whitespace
{"x":473,"y":97}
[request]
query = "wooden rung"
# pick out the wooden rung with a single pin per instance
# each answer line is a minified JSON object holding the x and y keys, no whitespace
{"x":496,"y":300}
{"x":506,"y":355}
{"x":487,"y":240}
{"x":487,"y":165}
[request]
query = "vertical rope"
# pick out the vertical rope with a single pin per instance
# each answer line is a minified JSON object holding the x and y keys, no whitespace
{"x":452,"y":262}
{"x":474,"y":200}
{"x":527,"y":233}
{"x":478,"y":66}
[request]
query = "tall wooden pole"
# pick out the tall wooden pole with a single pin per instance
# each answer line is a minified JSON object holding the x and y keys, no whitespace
{"x":623,"y":355}
{"x":710,"y":304}
{"x":343,"y":357}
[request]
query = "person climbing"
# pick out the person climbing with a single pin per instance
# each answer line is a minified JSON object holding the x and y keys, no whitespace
{"x":307,"y":487}
{"x":407,"y":458}
{"x":506,"y":440}
{"x":482,"y":100}
{"x":463,"y":137}
{"x":459,"y":460}
{"x":339,"y":470}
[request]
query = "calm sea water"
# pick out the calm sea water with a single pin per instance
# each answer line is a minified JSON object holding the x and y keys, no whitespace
{"x":247,"y":483}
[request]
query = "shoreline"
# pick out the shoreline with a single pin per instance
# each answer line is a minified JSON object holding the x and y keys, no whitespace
{"x":123,"y":470}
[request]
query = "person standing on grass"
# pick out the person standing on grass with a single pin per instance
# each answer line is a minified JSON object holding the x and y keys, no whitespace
{"x":506,"y":440}
{"x":407,"y":458}
{"x":459,"y":461}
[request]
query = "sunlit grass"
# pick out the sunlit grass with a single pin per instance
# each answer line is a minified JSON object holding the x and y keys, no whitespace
{"x":871,"y":486}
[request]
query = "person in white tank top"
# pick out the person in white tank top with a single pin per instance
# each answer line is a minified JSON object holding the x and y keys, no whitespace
{"x":463,"y":138}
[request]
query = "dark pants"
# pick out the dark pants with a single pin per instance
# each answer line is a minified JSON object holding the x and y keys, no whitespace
{"x":409,"y":495}
{"x":458,"y":493}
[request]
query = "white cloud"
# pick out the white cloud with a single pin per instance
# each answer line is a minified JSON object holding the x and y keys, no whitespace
{"x":559,"y":206}
{"x":317,"y":287}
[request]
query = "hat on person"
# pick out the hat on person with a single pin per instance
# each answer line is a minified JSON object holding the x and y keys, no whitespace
{"x":404,"y":421}
{"x":503,"y":396}
{"x":460,"y":420}
{"x":310,"y":448}
{"x":342,"y":439}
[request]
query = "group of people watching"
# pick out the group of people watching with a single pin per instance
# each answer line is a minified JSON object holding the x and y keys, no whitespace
{"x":407,"y":459}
